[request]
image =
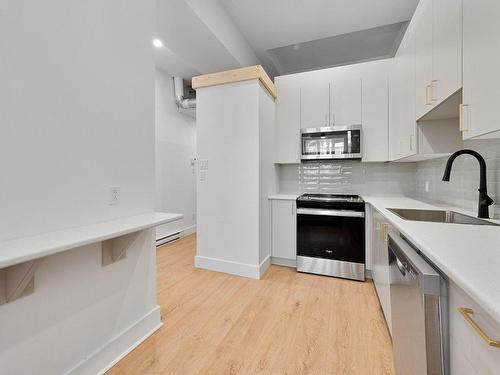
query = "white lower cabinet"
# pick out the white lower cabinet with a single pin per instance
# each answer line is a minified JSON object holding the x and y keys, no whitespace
{"x":284,"y":232}
{"x":380,"y":263}
{"x":470,"y":354}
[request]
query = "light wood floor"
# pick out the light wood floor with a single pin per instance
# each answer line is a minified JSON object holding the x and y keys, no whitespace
{"x":286,"y":323}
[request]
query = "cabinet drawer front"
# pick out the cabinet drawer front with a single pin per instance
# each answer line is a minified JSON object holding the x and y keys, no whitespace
{"x":467,"y":347}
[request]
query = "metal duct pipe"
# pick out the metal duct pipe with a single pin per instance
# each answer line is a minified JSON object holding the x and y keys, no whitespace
{"x":179,"y":95}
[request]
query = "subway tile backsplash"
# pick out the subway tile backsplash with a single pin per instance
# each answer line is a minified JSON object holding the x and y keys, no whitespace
{"x":348,"y":177}
{"x":461,"y":191}
{"x":408,"y":179}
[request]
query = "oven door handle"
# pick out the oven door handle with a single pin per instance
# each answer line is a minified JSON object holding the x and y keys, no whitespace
{"x":325,"y":212}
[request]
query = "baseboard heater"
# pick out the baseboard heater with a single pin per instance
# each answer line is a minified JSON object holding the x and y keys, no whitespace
{"x":169,"y":238}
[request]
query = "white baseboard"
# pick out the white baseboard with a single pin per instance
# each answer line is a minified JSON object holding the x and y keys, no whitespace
{"x":189,"y":230}
{"x":284,"y":262}
{"x":119,"y":346}
{"x":264,"y":265}
{"x":233,"y":268}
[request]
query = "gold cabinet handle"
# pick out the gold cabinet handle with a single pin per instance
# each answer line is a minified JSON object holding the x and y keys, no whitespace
{"x":467,"y":314}
{"x":427,"y":95}
{"x":431,"y":85}
{"x":383,"y":232}
{"x":386,"y":230}
{"x":462,"y":117}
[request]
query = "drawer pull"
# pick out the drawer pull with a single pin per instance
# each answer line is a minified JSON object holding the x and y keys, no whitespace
{"x":467,"y":314}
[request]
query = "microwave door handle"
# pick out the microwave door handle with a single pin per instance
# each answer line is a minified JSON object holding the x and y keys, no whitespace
{"x":349,"y":142}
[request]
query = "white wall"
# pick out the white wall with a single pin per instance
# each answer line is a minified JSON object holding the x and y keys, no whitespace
{"x":76,"y":112}
{"x":76,"y":117}
{"x":227,"y":204}
{"x":268,"y":171}
{"x":175,"y":149}
{"x":234,"y":136}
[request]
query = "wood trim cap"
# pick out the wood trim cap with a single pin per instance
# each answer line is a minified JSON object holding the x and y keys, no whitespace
{"x":236,"y":75}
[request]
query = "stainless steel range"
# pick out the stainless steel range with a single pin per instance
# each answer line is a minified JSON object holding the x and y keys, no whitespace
{"x":331,"y":235}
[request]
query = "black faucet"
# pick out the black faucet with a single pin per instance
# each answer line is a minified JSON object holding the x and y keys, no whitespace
{"x":484,"y":200}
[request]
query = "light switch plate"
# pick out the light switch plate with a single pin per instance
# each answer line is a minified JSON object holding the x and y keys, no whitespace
{"x":203,"y":170}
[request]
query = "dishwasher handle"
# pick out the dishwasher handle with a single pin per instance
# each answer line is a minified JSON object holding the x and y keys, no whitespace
{"x":400,"y":266}
{"x":411,"y":264}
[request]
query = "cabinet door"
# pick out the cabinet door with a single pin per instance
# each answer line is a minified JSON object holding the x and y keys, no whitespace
{"x":469,"y":352}
{"x":374,"y":117}
{"x":284,"y":229}
{"x":447,"y":49}
{"x":402,"y":124}
{"x":381,"y":265}
{"x":423,"y":58}
{"x":345,"y":101}
{"x":481,"y":61}
{"x":287,"y":121}
{"x":314,"y":103}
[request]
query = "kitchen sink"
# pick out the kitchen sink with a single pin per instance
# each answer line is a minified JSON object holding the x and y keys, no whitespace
{"x":438,"y":216}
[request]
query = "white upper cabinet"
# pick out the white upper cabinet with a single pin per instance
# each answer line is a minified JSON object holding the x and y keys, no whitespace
{"x":423,"y":58}
{"x":438,"y":51}
{"x":402,"y":124}
{"x":345,"y":100}
{"x":315,"y":102}
{"x":374,"y":114}
{"x":287,"y":121}
{"x":481,"y":62}
{"x":341,"y":96}
{"x":447,"y":49}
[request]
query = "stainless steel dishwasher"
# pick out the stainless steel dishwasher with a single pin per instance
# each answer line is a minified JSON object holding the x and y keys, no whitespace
{"x":419,"y":305}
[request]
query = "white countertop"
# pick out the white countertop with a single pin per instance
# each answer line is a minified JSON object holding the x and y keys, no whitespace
{"x":32,"y":247}
{"x":468,"y":254}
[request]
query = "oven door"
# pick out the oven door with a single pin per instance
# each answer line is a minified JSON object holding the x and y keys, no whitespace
{"x":331,"y":242}
{"x":331,"y":143}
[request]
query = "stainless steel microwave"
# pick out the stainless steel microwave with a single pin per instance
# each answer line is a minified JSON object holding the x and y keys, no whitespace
{"x":337,"y":142}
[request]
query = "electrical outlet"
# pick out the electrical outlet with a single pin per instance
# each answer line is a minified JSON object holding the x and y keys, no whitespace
{"x":426,"y":187}
{"x":114,"y":195}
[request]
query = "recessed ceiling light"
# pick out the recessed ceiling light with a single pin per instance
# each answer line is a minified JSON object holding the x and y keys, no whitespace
{"x":157,"y":43}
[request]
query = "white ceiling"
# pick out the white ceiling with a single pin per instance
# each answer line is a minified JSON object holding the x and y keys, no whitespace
{"x":269,"y":24}
{"x":198,"y":37}
{"x":205,"y":36}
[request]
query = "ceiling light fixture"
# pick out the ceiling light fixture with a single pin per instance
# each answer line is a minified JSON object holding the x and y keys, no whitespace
{"x":157,"y":43}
